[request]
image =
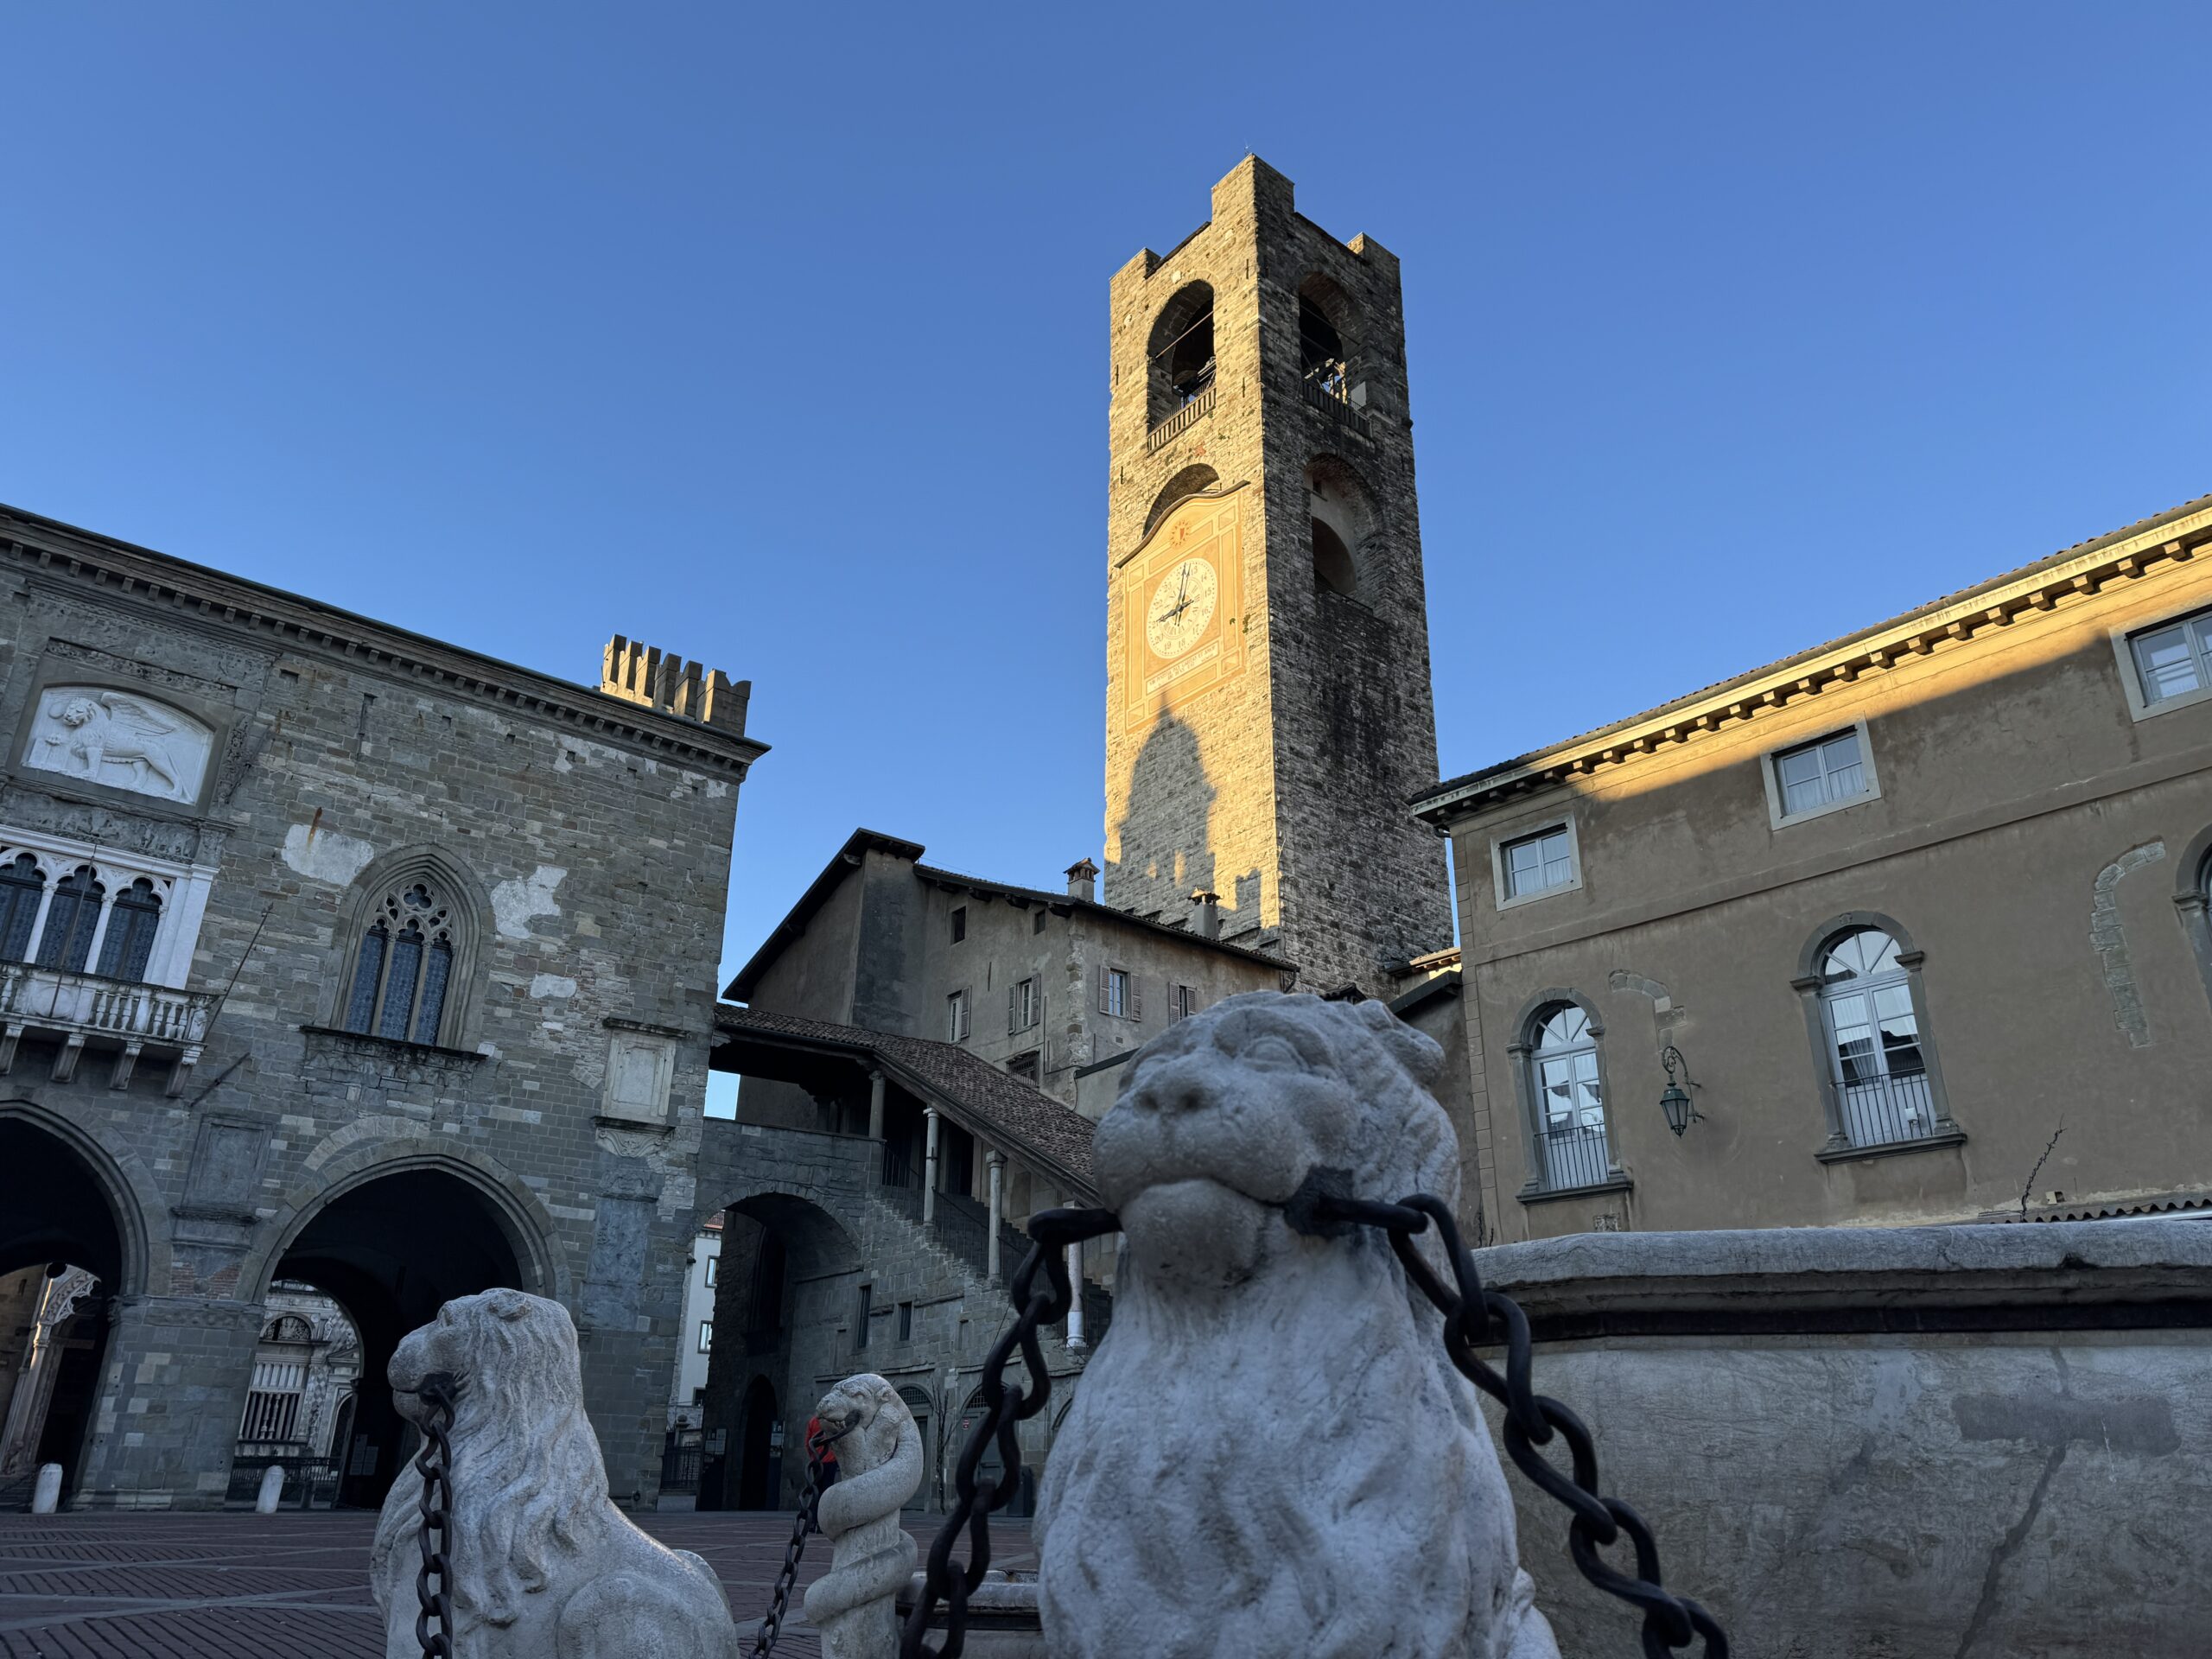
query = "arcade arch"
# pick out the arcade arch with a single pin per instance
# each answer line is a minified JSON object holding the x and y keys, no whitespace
{"x":390,"y":1247}
{"x":68,"y":1234}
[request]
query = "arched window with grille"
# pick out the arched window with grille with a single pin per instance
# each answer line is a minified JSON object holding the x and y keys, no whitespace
{"x":71,"y":921}
{"x":22,"y":886}
{"x":402,"y":976}
{"x":1881,"y":1083}
{"x":132,"y":922}
{"x":1562,"y":1081}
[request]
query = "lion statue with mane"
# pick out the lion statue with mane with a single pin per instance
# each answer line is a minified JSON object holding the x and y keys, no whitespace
{"x":545,"y":1566}
{"x":1270,"y":1452}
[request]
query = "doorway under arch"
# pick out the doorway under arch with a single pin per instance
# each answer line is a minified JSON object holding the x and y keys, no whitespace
{"x":392,"y":1250}
{"x":760,"y":1466}
{"x":63,"y":1259}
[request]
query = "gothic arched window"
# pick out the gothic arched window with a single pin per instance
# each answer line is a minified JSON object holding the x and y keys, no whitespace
{"x":403,"y":968}
{"x":21,"y":887}
{"x":71,"y":921}
{"x":132,"y":922}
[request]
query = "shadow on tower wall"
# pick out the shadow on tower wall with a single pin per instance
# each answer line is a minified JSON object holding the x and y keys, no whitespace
{"x":1164,"y":837}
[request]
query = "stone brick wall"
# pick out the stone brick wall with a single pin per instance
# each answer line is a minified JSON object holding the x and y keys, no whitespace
{"x":819,"y":1193}
{"x":589,"y":842}
{"x":1283,"y":789}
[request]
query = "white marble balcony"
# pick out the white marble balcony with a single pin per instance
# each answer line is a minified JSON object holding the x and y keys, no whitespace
{"x":84,"y":1009}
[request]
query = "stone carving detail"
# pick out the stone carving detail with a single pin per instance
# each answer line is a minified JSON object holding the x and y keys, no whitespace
{"x":121,"y":739}
{"x":879,"y":1467}
{"x":543,"y":1562}
{"x":30,"y":809}
{"x":1270,"y":1452}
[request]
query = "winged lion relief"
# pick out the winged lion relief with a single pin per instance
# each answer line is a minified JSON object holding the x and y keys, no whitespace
{"x":119,"y":738}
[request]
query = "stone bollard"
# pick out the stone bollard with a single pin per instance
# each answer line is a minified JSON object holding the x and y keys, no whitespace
{"x":272,"y":1488}
{"x":879,"y":1467}
{"x":46,"y":1497}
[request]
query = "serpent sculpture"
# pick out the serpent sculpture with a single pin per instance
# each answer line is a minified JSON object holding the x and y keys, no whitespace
{"x":880,"y":1467}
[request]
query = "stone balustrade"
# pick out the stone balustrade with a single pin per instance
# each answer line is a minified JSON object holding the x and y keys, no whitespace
{"x":82,"y":1009}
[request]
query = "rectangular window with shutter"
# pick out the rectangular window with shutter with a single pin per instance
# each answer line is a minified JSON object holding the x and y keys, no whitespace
{"x":1183,"y":1002}
{"x":955,"y":1017}
{"x":1021,"y":1005}
{"x":1119,"y":997}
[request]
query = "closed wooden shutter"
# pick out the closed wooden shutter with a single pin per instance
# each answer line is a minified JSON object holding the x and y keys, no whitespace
{"x":1102,"y":990}
{"x":963,"y":1016}
{"x":1136,"y":1003}
{"x":1013,"y":1007}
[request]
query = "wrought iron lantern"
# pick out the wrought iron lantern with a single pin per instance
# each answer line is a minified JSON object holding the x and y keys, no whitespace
{"x":1680,"y":1110}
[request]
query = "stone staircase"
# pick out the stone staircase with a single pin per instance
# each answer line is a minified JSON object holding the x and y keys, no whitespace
{"x":958,"y":1240}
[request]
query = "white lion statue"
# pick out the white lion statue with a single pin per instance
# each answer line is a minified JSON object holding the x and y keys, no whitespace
{"x":545,"y":1566}
{"x":879,"y":1465}
{"x":1270,"y":1452}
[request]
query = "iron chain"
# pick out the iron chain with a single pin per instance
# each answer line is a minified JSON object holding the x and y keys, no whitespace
{"x":1471,"y":1313}
{"x":435,"y":1464}
{"x":1035,"y":1305}
{"x":809,"y":1504}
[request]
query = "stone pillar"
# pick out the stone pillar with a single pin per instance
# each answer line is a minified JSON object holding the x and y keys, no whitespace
{"x":996,"y":1162}
{"x":1075,"y":1344}
{"x":876,"y":1105}
{"x":46,"y":1497}
{"x":192,"y":1356}
{"x":928,"y":1168}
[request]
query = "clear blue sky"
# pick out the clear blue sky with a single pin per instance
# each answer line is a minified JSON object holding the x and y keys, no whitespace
{"x":776,"y":335}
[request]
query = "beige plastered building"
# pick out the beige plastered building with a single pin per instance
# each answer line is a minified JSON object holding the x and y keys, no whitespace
{"x":1905,"y":907}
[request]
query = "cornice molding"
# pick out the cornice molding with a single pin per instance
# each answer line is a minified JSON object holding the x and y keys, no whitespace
{"x":79,"y":561}
{"x":1921,"y":634}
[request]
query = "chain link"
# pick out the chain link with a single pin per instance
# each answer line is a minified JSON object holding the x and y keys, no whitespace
{"x":1004,"y":1406}
{"x":1322,"y":1207}
{"x":810,"y":1504}
{"x":435,"y":1464}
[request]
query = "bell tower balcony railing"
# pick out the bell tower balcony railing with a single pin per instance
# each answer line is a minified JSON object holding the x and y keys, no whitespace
{"x":84,"y":1009}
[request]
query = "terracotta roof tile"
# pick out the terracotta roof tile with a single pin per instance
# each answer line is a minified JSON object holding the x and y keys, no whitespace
{"x":998,"y":1104}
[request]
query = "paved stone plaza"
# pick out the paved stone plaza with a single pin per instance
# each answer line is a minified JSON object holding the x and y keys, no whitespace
{"x":181,"y":1586}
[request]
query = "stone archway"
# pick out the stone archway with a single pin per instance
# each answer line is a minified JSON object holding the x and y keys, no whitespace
{"x":391,"y":1248}
{"x":785,"y":1306}
{"x":68,"y":1240}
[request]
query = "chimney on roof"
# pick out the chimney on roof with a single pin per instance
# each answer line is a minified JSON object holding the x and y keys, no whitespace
{"x":645,"y":675}
{"x":1206,"y":914}
{"x":1083,"y":880}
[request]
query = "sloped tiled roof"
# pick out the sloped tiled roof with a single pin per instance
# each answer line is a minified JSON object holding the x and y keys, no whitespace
{"x":975,"y":1094}
{"x":847,"y":861}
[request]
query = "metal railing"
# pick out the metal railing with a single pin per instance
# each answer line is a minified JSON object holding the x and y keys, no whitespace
{"x":1573,"y":1154}
{"x":680,"y":1458}
{"x":1331,"y":395}
{"x":50,"y":999}
{"x":310,"y":1483}
{"x":1883,"y":1111}
{"x":1200,"y":404}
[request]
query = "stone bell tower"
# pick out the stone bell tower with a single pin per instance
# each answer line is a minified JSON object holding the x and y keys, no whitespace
{"x":1268,"y":707}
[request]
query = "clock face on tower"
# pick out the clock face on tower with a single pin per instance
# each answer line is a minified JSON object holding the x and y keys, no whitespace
{"x":1180,"y":596}
{"x":1182,"y":607}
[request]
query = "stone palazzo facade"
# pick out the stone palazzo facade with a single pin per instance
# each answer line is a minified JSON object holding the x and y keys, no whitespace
{"x":337,"y":955}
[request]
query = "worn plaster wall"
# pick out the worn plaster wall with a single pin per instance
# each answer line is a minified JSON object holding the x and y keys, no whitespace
{"x":2037,"y":842}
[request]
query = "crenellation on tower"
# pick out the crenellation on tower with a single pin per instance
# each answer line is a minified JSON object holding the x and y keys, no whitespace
{"x":1269,"y":710}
